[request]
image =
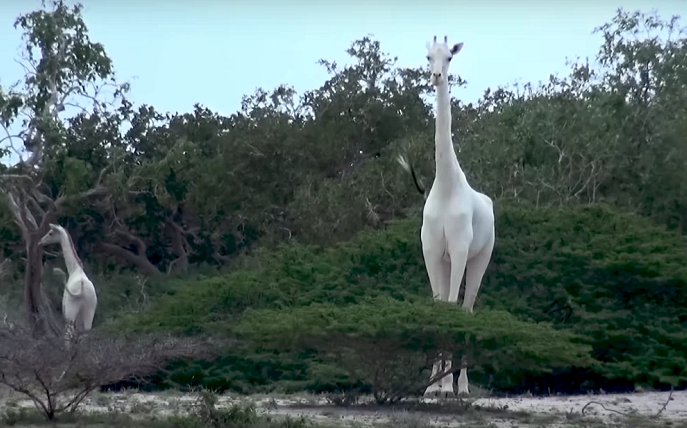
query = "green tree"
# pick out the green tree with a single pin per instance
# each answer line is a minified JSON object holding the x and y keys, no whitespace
{"x":63,"y":166}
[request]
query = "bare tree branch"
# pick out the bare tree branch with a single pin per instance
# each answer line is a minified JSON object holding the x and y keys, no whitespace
{"x":138,"y":258}
{"x":16,"y":213}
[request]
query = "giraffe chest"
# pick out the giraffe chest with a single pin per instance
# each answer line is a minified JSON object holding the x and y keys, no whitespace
{"x":443,"y":229}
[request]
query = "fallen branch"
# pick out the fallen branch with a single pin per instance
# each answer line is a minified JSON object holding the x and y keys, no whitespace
{"x":670,"y":397}
{"x":603,"y":407}
{"x":661,"y":410}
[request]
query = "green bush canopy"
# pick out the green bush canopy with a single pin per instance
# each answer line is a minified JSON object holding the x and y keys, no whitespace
{"x":390,"y":344}
{"x":616,"y":282}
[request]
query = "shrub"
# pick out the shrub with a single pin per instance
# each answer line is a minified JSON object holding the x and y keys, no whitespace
{"x":56,"y":376}
{"x":616,"y":279}
{"x":390,"y":345}
{"x":378,"y":263}
{"x":239,"y":416}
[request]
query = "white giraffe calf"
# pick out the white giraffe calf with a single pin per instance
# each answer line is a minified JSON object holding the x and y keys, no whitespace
{"x":79,"y":299}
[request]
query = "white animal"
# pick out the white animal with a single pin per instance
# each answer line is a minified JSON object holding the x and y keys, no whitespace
{"x":457,"y":222}
{"x":79,"y":299}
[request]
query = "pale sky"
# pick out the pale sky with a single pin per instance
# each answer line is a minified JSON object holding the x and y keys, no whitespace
{"x":177,"y":53}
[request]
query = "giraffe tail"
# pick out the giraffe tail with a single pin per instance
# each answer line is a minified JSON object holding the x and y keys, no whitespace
{"x":406,"y":165}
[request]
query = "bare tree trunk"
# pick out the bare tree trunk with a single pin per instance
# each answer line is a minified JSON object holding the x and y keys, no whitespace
{"x":32,"y":232}
{"x":38,"y":311}
{"x":32,"y":286}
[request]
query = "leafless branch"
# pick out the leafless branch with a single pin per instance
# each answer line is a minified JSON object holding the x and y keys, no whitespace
{"x":17,"y":177}
{"x":57,"y":377}
{"x":17,"y":215}
{"x":670,"y":397}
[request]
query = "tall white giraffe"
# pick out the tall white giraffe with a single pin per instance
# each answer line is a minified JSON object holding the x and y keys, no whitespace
{"x":79,"y":299}
{"x":457,"y":221}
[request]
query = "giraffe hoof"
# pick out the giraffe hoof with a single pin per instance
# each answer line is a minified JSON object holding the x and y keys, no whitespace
{"x":432,"y":393}
{"x":446,"y":395}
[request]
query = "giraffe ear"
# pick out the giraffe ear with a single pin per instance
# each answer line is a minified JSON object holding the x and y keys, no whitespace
{"x":53,"y":226}
{"x":456,"y":48}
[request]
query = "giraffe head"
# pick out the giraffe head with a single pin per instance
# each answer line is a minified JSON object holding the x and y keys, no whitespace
{"x":53,"y":236}
{"x":439,"y":56}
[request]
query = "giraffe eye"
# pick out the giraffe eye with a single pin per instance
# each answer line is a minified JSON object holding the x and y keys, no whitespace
{"x":450,"y":58}
{"x":428,"y":58}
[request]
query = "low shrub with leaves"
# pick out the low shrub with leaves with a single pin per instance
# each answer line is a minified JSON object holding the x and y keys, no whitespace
{"x":239,"y":416}
{"x":617,"y":279}
{"x":376,"y":264}
{"x":390,"y":344}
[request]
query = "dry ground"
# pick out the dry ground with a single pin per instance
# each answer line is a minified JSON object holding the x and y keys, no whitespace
{"x":638,"y":410}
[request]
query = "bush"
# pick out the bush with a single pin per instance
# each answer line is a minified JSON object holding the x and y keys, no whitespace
{"x":377,"y":264}
{"x":239,"y":416}
{"x":390,"y":345}
{"x":57,"y":376}
{"x":616,"y":280}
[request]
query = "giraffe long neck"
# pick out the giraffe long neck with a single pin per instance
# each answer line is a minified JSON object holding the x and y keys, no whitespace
{"x":448,"y":171}
{"x":71,"y":259}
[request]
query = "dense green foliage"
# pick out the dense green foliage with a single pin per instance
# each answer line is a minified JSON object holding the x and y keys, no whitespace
{"x":388,"y":344}
{"x":615,"y":278}
{"x":550,"y":265}
{"x":294,"y":208}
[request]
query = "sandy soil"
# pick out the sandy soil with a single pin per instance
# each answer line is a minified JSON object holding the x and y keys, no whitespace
{"x":647,"y":404}
{"x":606,"y":408}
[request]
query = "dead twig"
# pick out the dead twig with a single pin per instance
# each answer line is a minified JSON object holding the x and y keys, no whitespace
{"x":603,"y":407}
{"x":661,"y":410}
{"x":670,"y":397}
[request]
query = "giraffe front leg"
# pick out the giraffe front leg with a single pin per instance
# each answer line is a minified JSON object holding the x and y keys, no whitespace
{"x":447,"y":381}
{"x":463,"y":387}
{"x":459,"y":258}
{"x":434,"y":390}
{"x":474,"y":273}
{"x":70,"y":311}
{"x":69,"y":333}
{"x":438,"y":272}
{"x":68,"y":341}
